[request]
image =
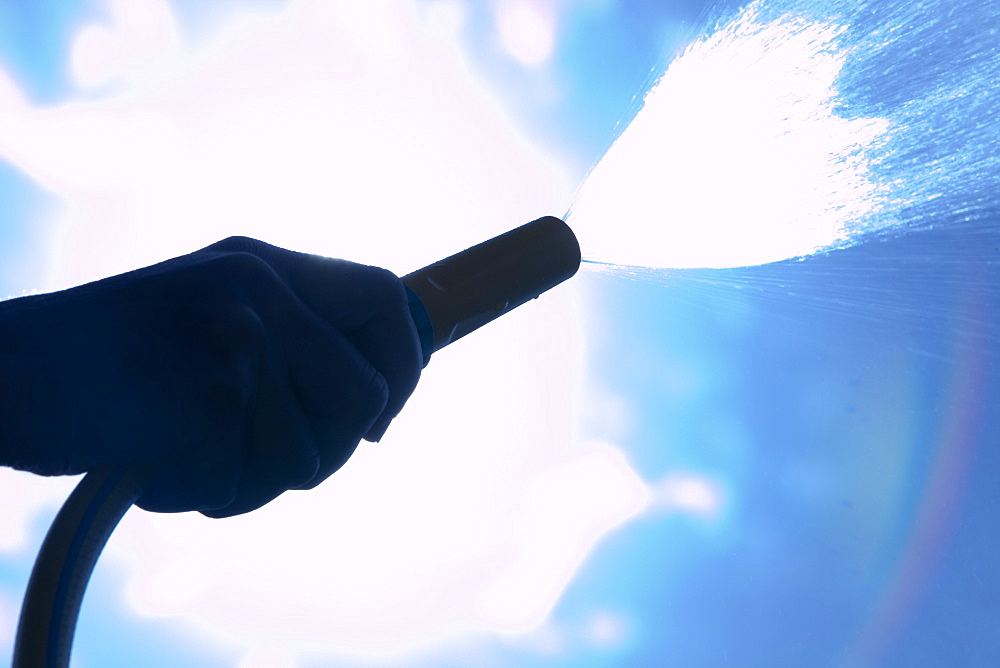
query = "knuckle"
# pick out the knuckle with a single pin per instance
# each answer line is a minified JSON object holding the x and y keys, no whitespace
{"x":219,"y":494}
{"x":389,"y":285}
{"x":301,"y":468}
{"x":372,"y":396}
{"x":235,"y":327}
{"x":243,"y":267}
{"x":246,"y":278}
{"x":238,"y":244}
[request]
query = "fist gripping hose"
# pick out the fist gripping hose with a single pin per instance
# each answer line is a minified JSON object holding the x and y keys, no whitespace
{"x":447,"y":300}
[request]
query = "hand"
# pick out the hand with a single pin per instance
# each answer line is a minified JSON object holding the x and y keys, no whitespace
{"x":241,"y":370}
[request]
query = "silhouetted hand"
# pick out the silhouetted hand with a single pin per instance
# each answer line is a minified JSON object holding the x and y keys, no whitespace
{"x":241,"y":370}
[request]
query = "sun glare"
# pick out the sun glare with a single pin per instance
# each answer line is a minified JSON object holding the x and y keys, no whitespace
{"x":350,"y":130}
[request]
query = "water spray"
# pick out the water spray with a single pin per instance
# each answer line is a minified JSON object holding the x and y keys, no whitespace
{"x":447,"y":299}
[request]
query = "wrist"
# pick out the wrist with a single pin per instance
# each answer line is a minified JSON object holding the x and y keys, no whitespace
{"x":18,"y":445}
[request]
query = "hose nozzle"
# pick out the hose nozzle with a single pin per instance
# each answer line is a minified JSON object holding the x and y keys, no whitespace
{"x":459,"y":294}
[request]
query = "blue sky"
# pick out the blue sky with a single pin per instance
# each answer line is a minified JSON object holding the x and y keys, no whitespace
{"x":782,"y":465}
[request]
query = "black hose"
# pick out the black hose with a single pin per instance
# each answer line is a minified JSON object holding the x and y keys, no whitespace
{"x":64,"y":564}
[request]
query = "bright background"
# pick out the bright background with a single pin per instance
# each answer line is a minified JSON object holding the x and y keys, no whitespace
{"x":784,"y":466}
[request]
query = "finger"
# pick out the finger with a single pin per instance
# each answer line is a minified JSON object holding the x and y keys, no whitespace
{"x":205,"y":477}
{"x":368,"y":304}
{"x":344,"y":294}
{"x":340,"y":392}
{"x":338,"y":444}
{"x":391,"y":344}
{"x":280,"y":452}
{"x":202,"y":484}
{"x":211,"y":438}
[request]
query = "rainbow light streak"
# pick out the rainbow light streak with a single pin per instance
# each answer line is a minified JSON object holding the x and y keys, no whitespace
{"x":959,"y":433}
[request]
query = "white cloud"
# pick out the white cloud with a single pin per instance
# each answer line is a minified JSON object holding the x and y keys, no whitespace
{"x":527,"y":29}
{"x":564,"y":509}
{"x":445,"y":16}
{"x":8,"y":624}
{"x":23,"y":498}
{"x":607,"y":629}
{"x":689,"y":493}
{"x":267,"y":659}
{"x":350,"y":129}
{"x":142,"y":37}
